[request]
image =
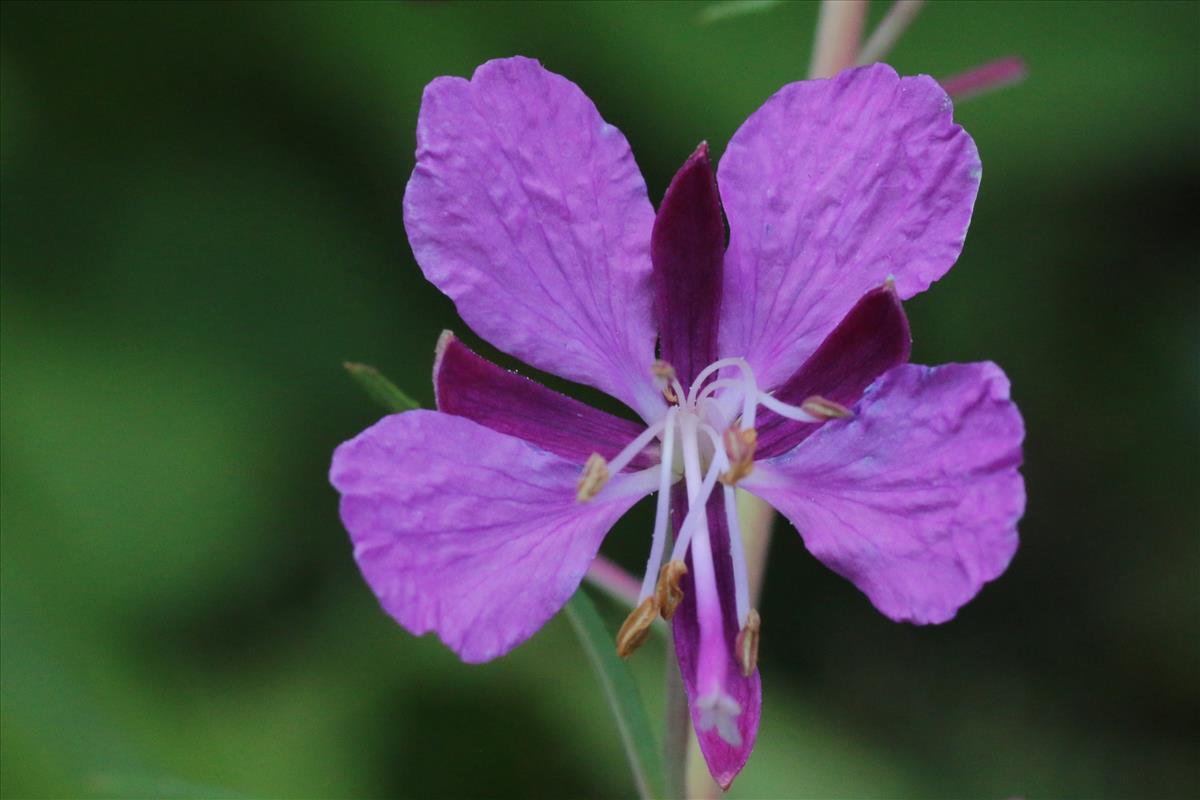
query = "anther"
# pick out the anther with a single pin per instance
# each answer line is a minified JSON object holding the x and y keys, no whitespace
{"x":636,"y":628}
{"x":664,"y":378}
{"x":825,"y":409}
{"x":746,"y":645}
{"x":739,"y":447}
{"x":667,"y":593}
{"x":595,"y":475}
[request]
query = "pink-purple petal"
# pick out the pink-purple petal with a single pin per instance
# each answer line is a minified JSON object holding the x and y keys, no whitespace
{"x":468,"y":532}
{"x":831,"y":187}
{"x":687,"y":248}
{"x":468,"y":385}
{"x":528,"y":210}
{"x":724,"y":760}
{"x":916,"y":499}
{"x":870,"y":340}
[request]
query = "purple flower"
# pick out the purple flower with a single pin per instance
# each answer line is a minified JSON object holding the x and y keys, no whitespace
{"x":781,"y":368}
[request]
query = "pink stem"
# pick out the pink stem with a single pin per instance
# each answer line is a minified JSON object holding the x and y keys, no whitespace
{"x":614,"y":581}
{"x":839,"y":30}
{"x":890,"y":29}
{"x":985,"y":78}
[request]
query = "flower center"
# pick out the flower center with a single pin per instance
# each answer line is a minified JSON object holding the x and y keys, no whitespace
{"x":708,"y":437}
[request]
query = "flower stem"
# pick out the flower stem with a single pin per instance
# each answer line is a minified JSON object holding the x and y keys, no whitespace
{"x":890,"y":29}
{"x":756,"y":518}
{"x":839,"y":30}
{"x":614,"y":581}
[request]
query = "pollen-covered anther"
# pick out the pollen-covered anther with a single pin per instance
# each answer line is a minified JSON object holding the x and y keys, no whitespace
{"x":667,"y":592}
{"x":636,"y":627}
{"x":595,"y":475}
{"x":664,"y":379}
{"x":824,"y":409}
{"x":739,"y":447}
{"x":746,"y":645}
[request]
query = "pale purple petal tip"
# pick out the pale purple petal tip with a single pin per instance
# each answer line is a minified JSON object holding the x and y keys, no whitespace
{"x":725,"y":759}
{"x":528,"y":210}
{"x":467,"y":532}
{"x":831,"y":187}
{"x":916,"y":499}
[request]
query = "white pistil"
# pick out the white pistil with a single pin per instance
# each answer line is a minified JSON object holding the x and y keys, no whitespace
{"x":708,"y":601}
{"x":704,"y":373}
{"x":749,"y":394}
{"x":696,"y":516}
{"x":662,"y":508}
{"x":720,"y":711}
{"x":722,"y":383}
{"x":784,"y":410}
{"x":622,"y":459}
{"x":677,"y":387}
{"x":723,"y":412}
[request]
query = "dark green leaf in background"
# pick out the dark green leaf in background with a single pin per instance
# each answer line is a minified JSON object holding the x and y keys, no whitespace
{"x":201,"y":218}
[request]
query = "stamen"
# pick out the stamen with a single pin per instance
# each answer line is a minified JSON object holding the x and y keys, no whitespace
{"x":636,"y":628}
{"x":712,"y":410}
{"x":739,"y":448}
{"x":659,"y":542}
{"x":631,"y":450}
{"x":697,"y":516}
{"x":750,"y":387}
{"x":723,"y":383}
{"x":740,"y":363}
{"x":595,"y":475}
{"x":826,"y":409}
{"x":596,"y":471}
{"x":784,"y":410}
{"x":737,"y":554}
{"x":668,"y":594}
{"x":747,"y":644}
{"x":664,"y":376}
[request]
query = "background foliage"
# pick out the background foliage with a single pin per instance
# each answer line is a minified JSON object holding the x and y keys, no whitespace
{"x":201,"y":222}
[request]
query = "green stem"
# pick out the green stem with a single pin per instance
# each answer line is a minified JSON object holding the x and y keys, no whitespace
{"x":677,"y":729}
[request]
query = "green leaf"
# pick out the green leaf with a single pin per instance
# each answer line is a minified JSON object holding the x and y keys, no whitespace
{"x":380,"y":388}
{"x":641,"y":748}
{"x":727,"y":9}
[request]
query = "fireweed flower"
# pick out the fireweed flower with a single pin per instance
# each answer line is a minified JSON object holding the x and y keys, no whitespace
{"x":780,"y":369}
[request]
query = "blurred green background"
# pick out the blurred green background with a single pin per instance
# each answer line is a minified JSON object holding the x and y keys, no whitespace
{"x":201,"y":221}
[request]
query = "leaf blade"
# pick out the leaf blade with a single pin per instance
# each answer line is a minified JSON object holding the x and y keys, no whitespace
{"x":379,"y":388}
{"x":641,"y":747}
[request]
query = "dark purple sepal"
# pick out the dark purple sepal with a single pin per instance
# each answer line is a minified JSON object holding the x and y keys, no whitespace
{"x":872,"y":338}
{"x":724,"y":760}
{"x":687,"y":248}
{"x":468,"y":385}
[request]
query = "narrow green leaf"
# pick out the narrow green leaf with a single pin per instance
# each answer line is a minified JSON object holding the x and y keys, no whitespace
{"x":380,"y":388}
{"x":727,"y":9}
{"x":637,"y":736}
{"x":641,"y":748}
